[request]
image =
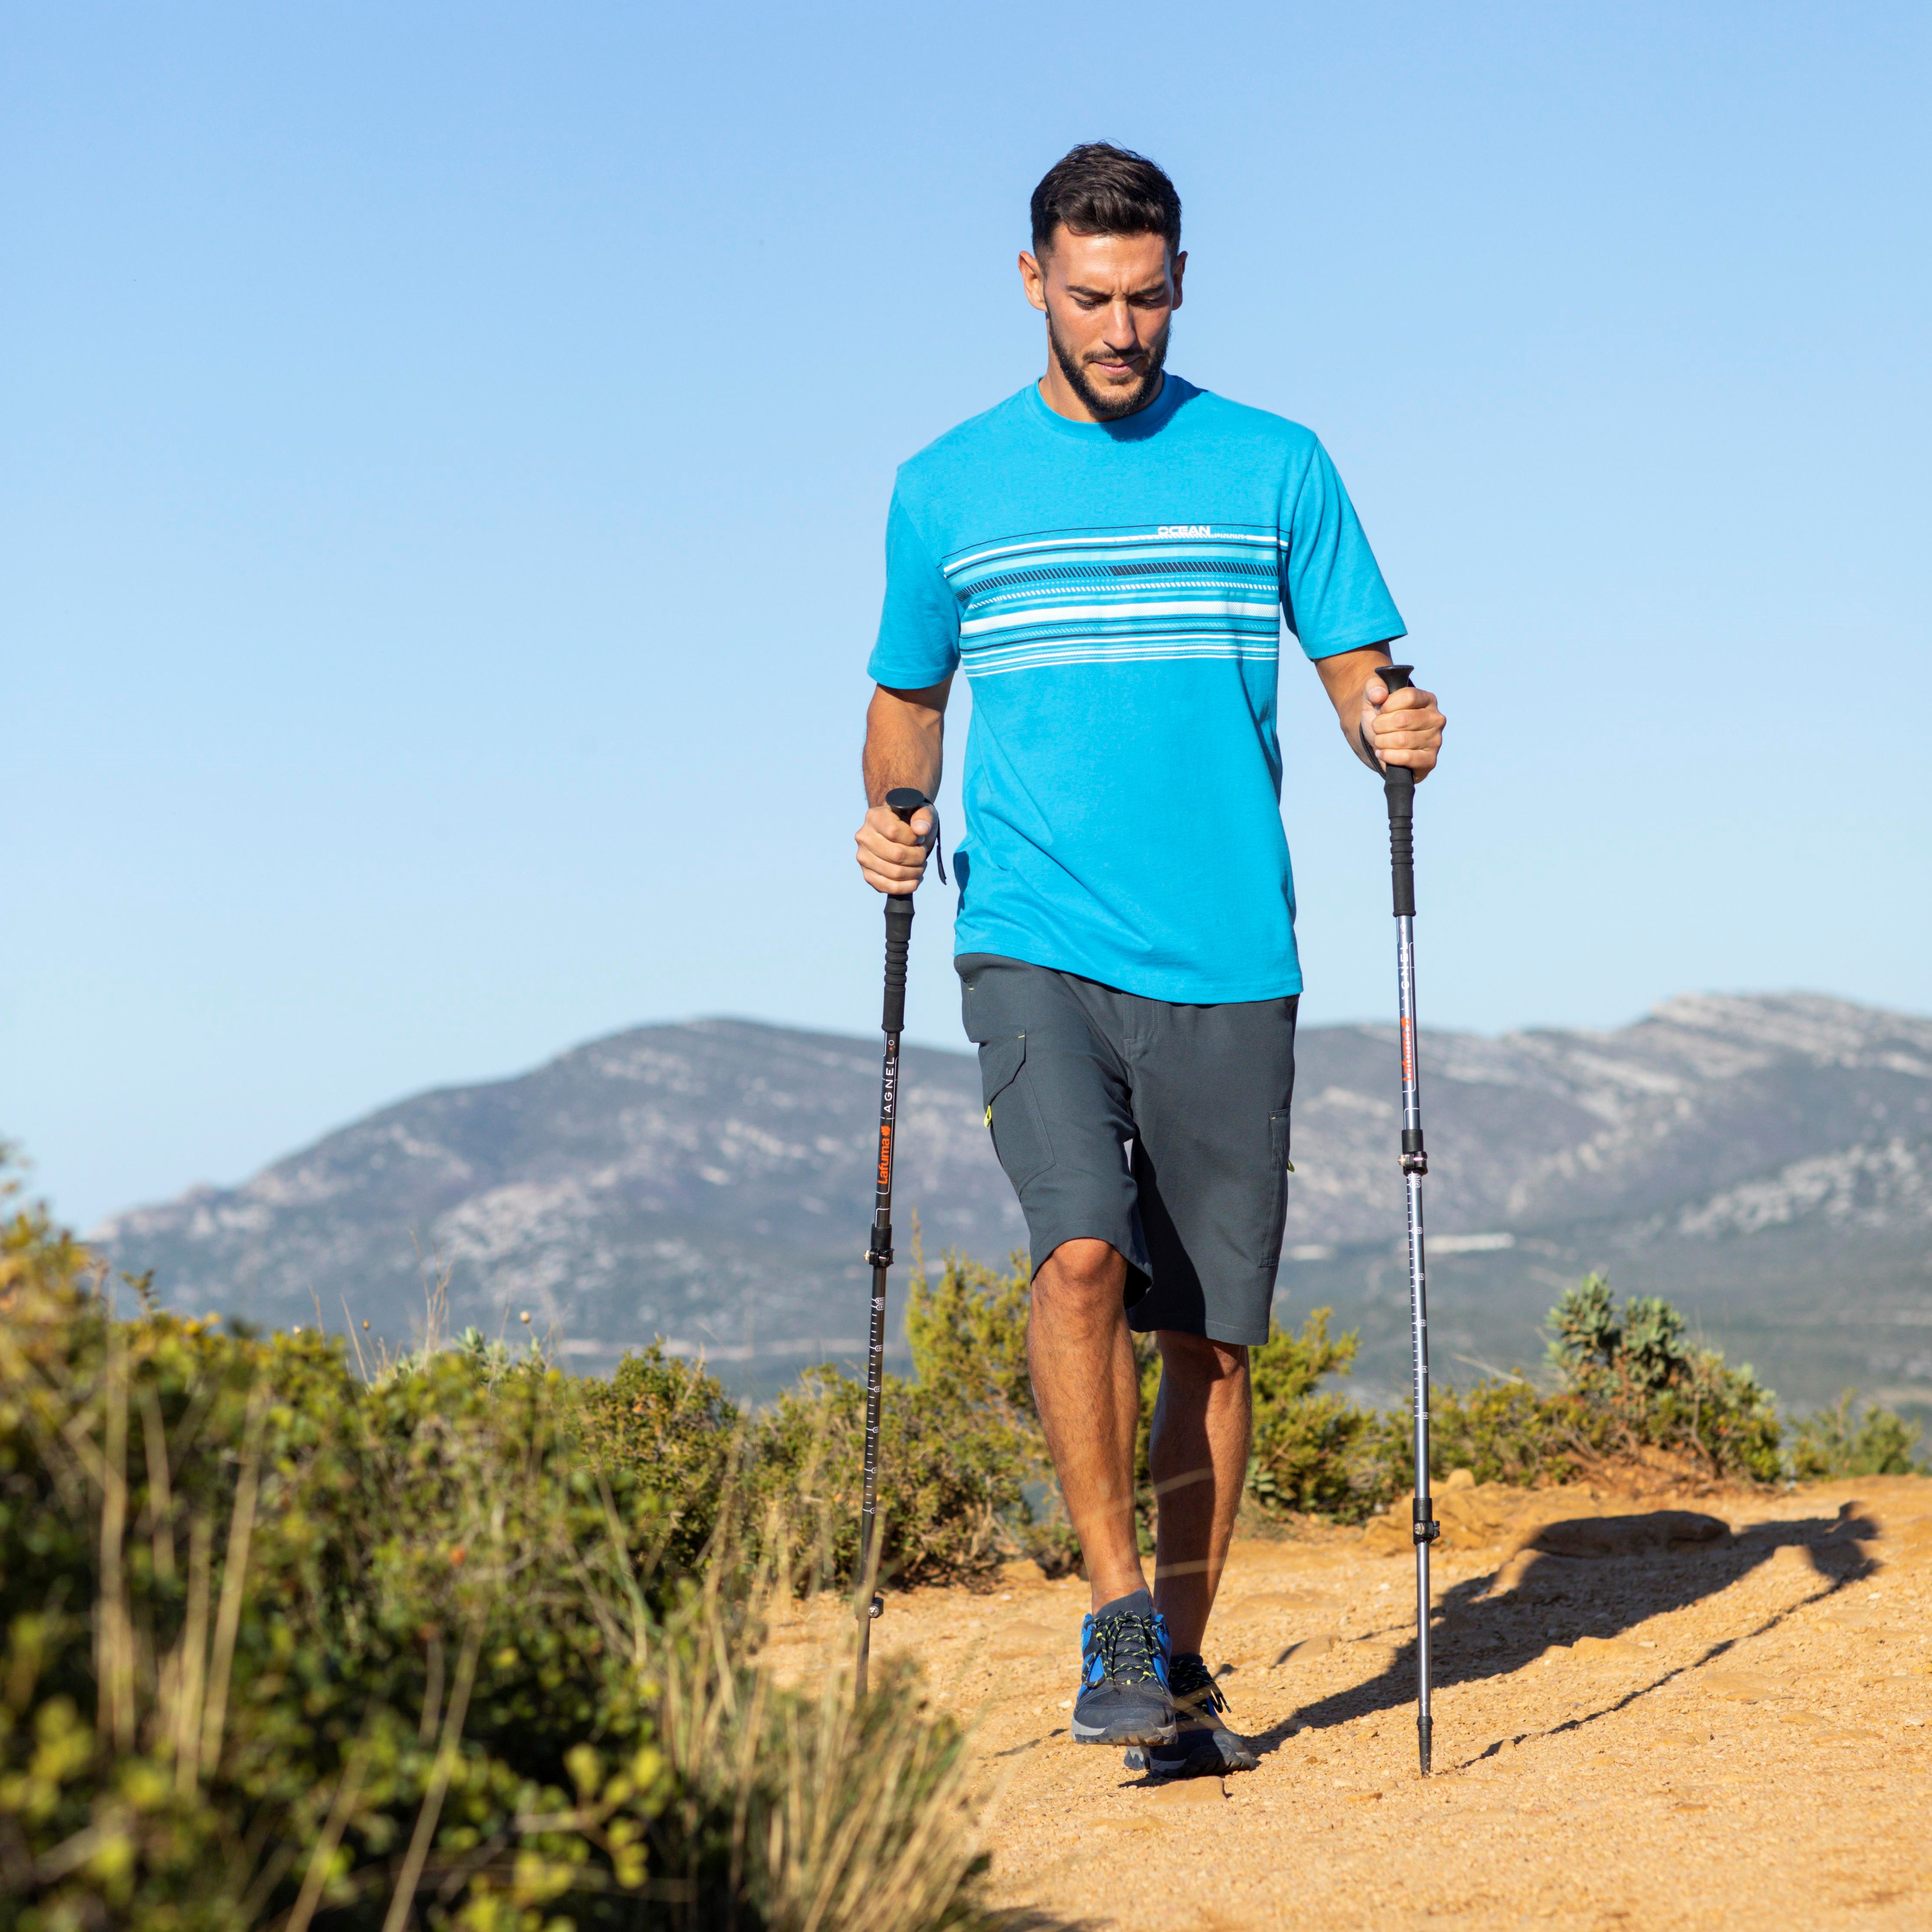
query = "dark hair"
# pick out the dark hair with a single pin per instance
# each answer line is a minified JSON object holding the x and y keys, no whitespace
{"x":1099,"y":189}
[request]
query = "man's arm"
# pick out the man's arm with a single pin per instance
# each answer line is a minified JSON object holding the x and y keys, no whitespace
{"x":1404,"y":728}
{"x":905,"y":737}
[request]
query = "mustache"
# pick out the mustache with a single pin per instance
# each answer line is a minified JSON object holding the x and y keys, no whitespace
{"x":1146,"y":357}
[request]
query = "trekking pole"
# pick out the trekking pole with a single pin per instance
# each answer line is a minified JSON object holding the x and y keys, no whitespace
{"x":1398,"y":788}
{"x":904,"y":801}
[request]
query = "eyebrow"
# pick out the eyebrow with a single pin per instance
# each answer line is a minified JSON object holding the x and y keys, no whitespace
{"x":1146,"y":289}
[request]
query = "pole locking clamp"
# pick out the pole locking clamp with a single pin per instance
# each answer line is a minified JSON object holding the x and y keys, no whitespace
{"x":1425,"y":1527}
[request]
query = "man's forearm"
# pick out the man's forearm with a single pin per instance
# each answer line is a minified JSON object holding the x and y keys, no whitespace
{"x":905,"y":737}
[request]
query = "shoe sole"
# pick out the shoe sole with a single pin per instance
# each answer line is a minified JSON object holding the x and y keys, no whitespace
{"x":1122,"y":1731}
{"x":1205,"y":1759}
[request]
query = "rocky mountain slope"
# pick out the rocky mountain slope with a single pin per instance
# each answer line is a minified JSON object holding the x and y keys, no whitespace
{"x":1767,"y":1161}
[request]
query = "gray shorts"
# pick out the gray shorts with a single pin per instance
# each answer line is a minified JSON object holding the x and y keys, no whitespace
{"x":1076,"y":1073}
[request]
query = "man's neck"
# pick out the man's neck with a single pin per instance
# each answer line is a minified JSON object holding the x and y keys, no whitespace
{"x":1064,"y":400}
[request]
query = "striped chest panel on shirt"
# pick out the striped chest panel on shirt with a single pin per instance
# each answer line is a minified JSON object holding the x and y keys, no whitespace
{"x":1135,"y":594}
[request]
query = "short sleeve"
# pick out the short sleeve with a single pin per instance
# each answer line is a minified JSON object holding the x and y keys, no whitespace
{"x":918,"y":628}
{"x":1332,"y":589}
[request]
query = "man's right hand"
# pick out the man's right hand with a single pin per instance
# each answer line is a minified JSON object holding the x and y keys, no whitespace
{"x":892,"y":854}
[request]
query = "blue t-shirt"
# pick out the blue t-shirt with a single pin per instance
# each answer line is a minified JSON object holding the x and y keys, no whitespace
{"x":1114,"y":592}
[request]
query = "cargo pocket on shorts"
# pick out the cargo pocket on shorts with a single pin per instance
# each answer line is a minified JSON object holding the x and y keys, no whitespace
{"x":1012,"y":1110}
{"x":1283,"y":1168}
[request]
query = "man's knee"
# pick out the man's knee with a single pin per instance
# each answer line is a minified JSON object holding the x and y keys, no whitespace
{"x":1083,"y":1269}
{"x":1200,"y":1358}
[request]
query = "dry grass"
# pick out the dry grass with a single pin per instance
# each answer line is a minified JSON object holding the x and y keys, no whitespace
{"x":288,"y":1650}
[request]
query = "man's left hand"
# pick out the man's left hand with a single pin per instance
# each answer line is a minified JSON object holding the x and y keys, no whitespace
{"x":1401,"y":727}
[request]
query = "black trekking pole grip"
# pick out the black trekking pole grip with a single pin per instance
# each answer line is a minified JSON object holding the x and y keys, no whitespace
{"x":1398,"y":788}
{"x":904,"y":801}
{"x":898,"y":943}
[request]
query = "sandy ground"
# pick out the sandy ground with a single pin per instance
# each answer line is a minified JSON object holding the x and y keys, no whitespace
{"x":1663,"y":1710}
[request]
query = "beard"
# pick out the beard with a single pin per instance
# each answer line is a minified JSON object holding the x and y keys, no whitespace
{"x":1110,"y":404}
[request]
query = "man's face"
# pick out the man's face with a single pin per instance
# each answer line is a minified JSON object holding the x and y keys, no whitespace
{"x":1108,"y":301}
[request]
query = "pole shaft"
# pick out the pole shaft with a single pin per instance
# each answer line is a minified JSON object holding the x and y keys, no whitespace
{"x":904,"y":802}
{"x":880,"y":1256}
{"x":1399,"y":788}
{"x":1423,"y":1527}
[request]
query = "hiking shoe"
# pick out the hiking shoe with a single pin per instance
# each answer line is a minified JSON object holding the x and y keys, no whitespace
{"x":1202,"y":1747}
{"x":1124,"y":1697}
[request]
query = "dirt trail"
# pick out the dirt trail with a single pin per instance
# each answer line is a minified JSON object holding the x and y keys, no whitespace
{"x":1675,"y":1711}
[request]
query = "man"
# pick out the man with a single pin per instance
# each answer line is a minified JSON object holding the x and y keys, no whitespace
{"x":1109,"y":554}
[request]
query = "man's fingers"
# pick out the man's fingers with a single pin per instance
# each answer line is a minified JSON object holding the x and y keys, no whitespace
{"x":889,"y":878}
{"x":1407,"y":714}
{"x":1415,"y":741}
{"x":892,"y":854}
{"x":1410,"y":731}
{"x":1405,"y":728}
{"x":897,"y":862}
{"x":1409,"y":698}
{"x":893,"y":830}
{"x":892,"y":841}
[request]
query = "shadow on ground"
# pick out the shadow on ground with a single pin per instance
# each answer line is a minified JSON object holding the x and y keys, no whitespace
{"x":1557,"y":1598}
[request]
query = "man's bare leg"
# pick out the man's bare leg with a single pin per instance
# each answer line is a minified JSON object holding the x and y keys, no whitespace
{"x":1081,"y":1356}
{"x":1198,"y":1459}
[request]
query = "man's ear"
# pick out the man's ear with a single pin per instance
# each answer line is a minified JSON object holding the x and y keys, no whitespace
{"x":1180,"y":269}
{"x":1032,"y":279}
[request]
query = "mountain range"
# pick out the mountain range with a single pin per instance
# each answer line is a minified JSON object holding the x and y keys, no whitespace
{"x":1764,"y":1161}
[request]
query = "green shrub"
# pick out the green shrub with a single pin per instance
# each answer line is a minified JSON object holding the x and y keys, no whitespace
{"x":1629,"y":1380}
{"x":1585,"y":1320}
{"x":960,"y":1445}
{"x":1635,"y":1382}
{"x":1314,"y":1451}
{"x":1848,"y":1440}
{"x":1505,"y":1430}
{"x":674,"y":1419}
{"x":948,"y":1486}
{"x":288,"y":1649}
{"x":968,"y":1335}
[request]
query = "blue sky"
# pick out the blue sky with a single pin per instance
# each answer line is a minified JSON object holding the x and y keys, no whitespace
{"x":444,"y":454}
